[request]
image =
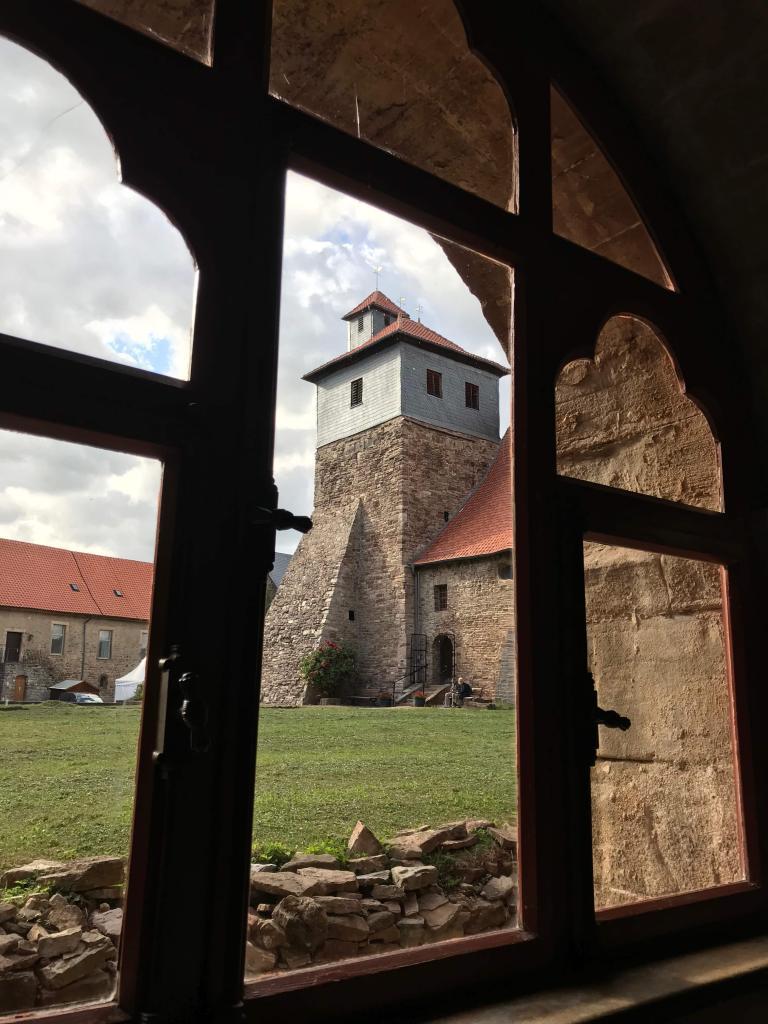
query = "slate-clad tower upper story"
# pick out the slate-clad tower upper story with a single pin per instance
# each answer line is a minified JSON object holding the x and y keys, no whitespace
{"x":407,"y":426}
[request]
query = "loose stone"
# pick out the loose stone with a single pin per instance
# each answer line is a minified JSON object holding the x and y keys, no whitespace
{"x":414,"y":878}
{"x":350,"y":928}
{"x":363,"y":842}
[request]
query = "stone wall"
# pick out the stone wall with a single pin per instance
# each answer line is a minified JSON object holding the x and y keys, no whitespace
{"x":664,"y":800}
{"x":396,"y":481}
{"x":43,"y":668}
{"x":306,"y":608}
{"x":480,"y":613}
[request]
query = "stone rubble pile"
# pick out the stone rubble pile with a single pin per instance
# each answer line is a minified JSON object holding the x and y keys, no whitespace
{"x":313,"y":911}
{"x":59,"y":948}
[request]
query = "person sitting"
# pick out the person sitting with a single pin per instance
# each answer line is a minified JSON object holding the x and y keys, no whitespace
{"x":462,"y":691}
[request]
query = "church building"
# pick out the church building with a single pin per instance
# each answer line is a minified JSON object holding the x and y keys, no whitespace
{"x":409,"y":559}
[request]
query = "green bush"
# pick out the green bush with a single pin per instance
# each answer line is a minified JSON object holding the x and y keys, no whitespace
{"x":271,"y":853}
{"x":328,"y":669}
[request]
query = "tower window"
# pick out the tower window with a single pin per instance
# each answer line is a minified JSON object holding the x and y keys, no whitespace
{"x":441,"y":597}
{"x":351,"y":615}
{"x":446,"y":516}
{"x":434,"y":383}
{"x":356,"y":392}
{"x":471,"y":395}
{"x":360,"y":324}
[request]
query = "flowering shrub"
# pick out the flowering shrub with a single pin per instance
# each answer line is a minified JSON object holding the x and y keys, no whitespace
{"x":328,"y":669}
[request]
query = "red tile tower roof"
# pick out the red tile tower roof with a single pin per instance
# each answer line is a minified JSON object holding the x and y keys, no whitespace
{"x":483,"y":525}
{"x":39,"y":577}
{"x":408,"y":330}
{"x":378,"y":299}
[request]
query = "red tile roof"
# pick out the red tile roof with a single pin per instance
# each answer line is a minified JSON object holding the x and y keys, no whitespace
{"x":483,"y":525}
{"x":412,"y":331}
{"x":39,"y":577}
{"x":378,"y":299}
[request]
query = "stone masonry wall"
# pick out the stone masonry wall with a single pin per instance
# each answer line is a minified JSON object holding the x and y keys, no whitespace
{"x":405,"y":475}
{"x":43,"y":668}
{"x":305,"y":609}
{"x":480,"y":613}
{"x":663,"y":794}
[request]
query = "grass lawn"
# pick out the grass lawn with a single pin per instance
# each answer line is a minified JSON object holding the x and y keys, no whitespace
{"x":66,"y":774}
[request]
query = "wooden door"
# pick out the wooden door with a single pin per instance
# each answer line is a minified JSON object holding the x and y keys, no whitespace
{"x":20,"y":688}
{"x":12,"y":646}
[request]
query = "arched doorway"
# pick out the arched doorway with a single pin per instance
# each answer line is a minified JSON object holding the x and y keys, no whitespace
{"x":443,"y":659}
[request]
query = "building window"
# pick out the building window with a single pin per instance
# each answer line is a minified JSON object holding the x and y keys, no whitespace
{"x":434,"y":383}
{"x":143,"y":643}
{"x":351,"y":615}
{"x":360,"y":324}
{"x":105,"y":644}
{"x":58,"y":632}
{"x":103,"y":681}
{"x":446,"y":516}
{"x":471,"y":395}
{"x":505,"y":568}
{"x":441,"y":597}
{"x":356,"y":392}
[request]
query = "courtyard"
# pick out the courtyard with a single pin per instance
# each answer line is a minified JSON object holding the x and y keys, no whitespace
{"x":66,"y":777}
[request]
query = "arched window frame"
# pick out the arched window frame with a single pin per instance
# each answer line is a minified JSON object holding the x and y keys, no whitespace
{"x":211,"y":148}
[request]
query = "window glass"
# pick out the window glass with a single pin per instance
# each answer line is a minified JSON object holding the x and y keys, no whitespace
{"x":105,"y":643}
{"x":623,"y":421}
{"x":441,"y":597}
{"x":86,"y":264}
{"x":591,"y":206}
{"x":360,"y":673}
{"x":402,"y":77}
{"x":86,"y":515}
{"x":185,"y":25}
{"x":57,"y":638}
{"x":471,"y":396}
{"x":664,"y":801}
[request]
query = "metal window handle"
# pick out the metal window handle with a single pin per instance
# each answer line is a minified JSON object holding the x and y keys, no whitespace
{"x":598,"y":716}
{"x":280,"y":519}
{"x":194,"y":712}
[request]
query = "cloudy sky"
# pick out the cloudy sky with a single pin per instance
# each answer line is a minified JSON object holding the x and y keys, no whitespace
{"x":88,"y":265}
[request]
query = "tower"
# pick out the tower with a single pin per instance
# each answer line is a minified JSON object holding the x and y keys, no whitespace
{"x":407,"y":425}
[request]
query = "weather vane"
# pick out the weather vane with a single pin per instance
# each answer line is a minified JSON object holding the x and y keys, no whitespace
{"x":419,"y":311}
{"x":377,"y":271}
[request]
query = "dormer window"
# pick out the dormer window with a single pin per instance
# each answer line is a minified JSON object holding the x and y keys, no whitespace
{"x":74,"y":586}
{"x":360,"y":324}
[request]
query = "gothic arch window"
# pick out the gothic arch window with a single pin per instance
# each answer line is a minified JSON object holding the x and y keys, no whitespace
{"x":210,"y":146}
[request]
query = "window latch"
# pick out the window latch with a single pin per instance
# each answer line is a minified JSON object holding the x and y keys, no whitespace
{"x":280,"y":519}
{"x":194,"y":712}
{"x":599,"y":716}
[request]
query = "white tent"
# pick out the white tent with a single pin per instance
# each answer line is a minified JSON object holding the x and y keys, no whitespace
{"x":127,"y":685}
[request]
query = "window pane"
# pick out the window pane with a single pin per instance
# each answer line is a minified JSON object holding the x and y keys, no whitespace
{"x":84,"y":516}
{"x":185,"y":25}
{"x":363,"y":66}
{"x":591,"y":207}
{"x":86,"y":264}
{"x":623,"y":421}
{"x":352,"y":627}
{"x":664,"y":800}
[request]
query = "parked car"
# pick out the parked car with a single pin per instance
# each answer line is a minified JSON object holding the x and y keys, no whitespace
{"x":81,"y":698}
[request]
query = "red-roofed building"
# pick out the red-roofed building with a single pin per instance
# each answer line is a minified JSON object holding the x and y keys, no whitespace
{"x":409,"y":559}
{"x":69,"y":615}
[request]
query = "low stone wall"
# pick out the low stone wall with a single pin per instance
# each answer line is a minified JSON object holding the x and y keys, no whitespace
{"x":59,"y":944}
{"x":428,"y":885}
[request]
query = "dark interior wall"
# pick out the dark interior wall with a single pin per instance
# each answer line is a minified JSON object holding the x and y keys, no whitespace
{"x":691,"y":77}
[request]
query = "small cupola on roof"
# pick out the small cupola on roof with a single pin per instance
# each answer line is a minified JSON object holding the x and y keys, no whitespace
{"x":369,"y":317}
